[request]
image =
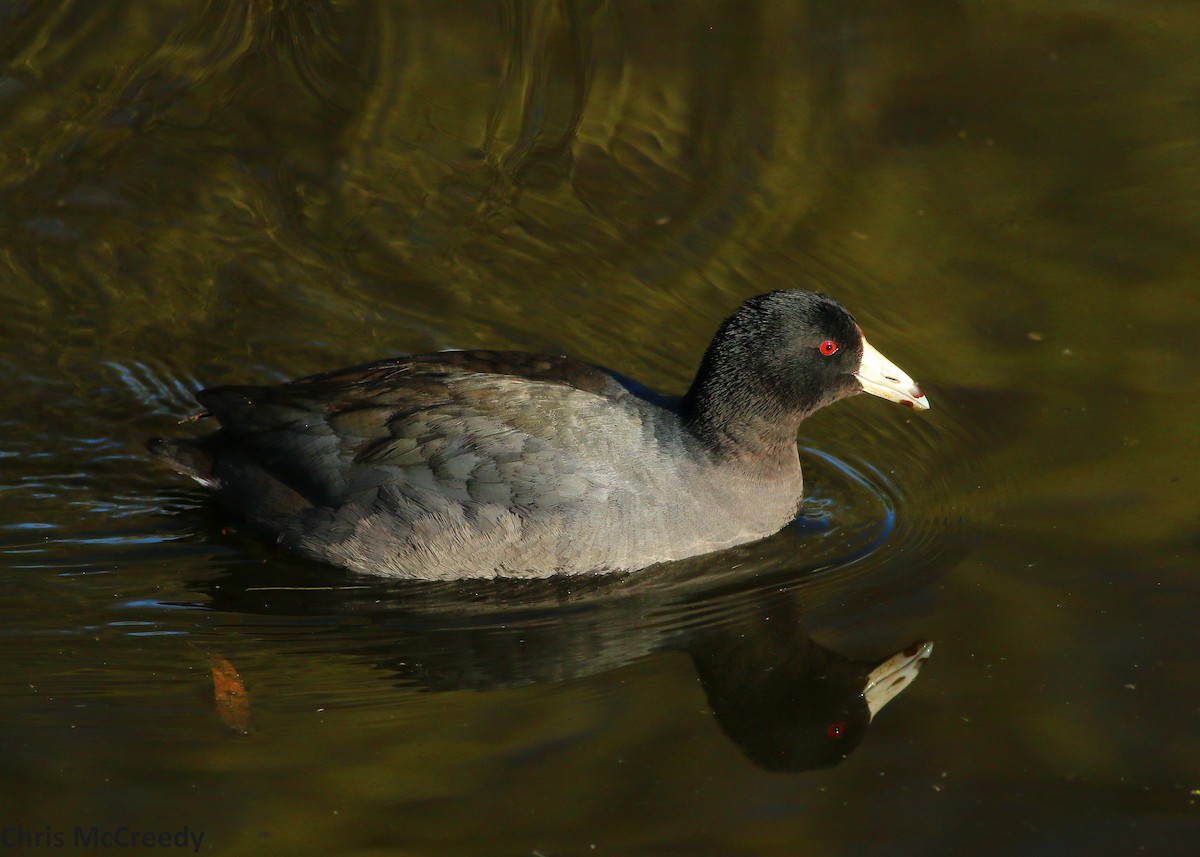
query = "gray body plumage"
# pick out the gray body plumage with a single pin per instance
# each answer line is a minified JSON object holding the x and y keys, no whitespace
{"x":479,"y":464}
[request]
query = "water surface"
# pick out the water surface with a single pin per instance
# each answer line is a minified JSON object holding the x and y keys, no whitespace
{"x":1006,"y":196}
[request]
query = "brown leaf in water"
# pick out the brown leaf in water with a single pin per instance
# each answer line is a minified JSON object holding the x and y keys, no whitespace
{"x":233,"y":703}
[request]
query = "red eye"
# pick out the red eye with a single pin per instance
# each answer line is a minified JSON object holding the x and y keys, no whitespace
{"x":837,"y":727}
{"x":828,"y":347}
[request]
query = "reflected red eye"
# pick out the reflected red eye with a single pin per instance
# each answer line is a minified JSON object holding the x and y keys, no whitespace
{"x":837,"y":727}
{"x":828,"y":347}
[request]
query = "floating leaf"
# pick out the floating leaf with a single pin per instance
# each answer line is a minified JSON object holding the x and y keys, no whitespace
{"x":233,"y":703}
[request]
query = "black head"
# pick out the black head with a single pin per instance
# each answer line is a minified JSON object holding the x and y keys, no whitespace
{"x":809,"y":346}
{"x":777,"y":359}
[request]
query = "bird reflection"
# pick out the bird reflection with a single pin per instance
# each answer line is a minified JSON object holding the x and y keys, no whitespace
{"x":791,"y":704}
{"x":787,"y":702}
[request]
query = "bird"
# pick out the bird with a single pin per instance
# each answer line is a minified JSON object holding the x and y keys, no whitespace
{"x":482,"y":464}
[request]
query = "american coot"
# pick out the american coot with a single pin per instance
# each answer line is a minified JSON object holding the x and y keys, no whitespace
{"x":483,"y":463}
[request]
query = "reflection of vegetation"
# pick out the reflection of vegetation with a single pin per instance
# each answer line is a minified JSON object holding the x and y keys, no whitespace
{"x":175,"y":176}
{"x":266,"y":188}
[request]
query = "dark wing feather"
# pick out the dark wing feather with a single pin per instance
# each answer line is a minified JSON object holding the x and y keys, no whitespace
{"x":471,"y":426}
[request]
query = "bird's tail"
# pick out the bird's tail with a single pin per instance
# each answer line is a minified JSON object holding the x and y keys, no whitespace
{"x":185,"y":456}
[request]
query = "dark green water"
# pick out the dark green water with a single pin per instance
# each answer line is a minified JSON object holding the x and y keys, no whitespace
{"x":1007,"y":196}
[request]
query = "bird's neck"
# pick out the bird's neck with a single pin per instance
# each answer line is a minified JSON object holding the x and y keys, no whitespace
{"x":738,"y":422}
